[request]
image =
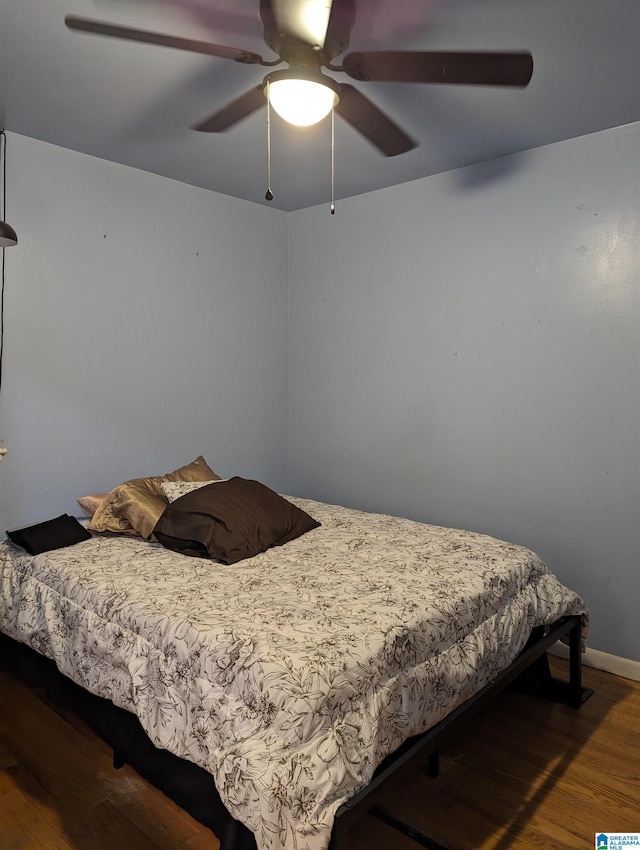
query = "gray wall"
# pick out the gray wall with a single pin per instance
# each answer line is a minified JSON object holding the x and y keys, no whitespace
{"x":145,"y":323}
{"x":465,"y":350}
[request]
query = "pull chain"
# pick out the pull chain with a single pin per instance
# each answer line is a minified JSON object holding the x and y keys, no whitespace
{"x":268,"y":194}
{"x":333,"y":160}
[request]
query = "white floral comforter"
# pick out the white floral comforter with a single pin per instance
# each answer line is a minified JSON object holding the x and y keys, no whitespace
{"x":288,"y":676}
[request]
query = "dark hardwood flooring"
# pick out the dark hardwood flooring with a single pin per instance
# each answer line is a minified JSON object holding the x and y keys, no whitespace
{"x":526,"y":774}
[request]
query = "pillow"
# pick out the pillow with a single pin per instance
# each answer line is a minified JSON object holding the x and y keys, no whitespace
{"x":90,"y":504}
{"x":134,"y":507}
{"x":55,"y":533}
{"x":176,"y":489}
{"x":232,"y":520}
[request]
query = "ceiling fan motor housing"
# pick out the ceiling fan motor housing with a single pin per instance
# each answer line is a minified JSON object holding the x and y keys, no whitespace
{"x":343,"y":15}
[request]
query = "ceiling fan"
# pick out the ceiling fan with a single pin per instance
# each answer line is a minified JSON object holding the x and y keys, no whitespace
{"x":308,"y":35}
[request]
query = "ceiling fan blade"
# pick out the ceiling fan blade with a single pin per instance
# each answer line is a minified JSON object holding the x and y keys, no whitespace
{"x":233,"y":112}
{"x":479,"y":69}
{"x":116,"y":31}
{"x":305,"y":20}
{"x":378,"y":128}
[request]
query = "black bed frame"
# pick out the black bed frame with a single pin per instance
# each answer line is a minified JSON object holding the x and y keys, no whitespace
{"x":192,"y":788}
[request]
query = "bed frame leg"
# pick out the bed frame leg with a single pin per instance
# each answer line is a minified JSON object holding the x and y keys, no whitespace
{"x":432,"y":766}
{"x":538,"y":681}
{"x":577,"y":694}
{"x":572,"y":693}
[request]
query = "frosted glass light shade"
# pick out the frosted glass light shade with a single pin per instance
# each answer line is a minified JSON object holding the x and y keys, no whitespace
{"x":301,"y":102}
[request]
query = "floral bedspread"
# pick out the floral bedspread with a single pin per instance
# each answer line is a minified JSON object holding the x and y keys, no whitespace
{"x":288,"y":676}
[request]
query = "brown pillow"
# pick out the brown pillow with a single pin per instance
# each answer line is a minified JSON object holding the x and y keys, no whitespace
{"x":90,"y":504}
{"x":135,"y":506}
{"x":230,"y":521}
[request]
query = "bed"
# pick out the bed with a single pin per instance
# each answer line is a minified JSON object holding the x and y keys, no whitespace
{"x":293,"y":676}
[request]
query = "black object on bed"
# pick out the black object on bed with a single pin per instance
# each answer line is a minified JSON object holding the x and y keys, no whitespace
{"x":55,"y":533}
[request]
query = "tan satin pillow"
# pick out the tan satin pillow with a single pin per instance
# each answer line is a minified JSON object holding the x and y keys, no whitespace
{"x":135,"y":506}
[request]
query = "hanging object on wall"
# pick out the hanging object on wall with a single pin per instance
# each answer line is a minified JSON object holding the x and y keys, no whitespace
{"x":308,"y":35}
{"x":8,"y":239}
{"x":8,"y":236}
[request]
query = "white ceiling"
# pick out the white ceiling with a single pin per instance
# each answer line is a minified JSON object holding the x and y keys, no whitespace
{"x":135,"y":104}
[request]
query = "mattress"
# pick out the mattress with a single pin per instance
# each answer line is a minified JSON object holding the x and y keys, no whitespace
{"x":288,"y":676}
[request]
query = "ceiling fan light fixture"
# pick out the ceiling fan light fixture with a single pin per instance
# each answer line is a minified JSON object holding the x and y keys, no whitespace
{"x":302,"y":99}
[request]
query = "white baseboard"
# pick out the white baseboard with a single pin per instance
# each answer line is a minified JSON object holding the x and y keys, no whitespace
{"x":625,"y":667}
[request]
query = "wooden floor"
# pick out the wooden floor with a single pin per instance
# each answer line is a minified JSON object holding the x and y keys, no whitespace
{"x":526,"y":774}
